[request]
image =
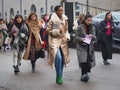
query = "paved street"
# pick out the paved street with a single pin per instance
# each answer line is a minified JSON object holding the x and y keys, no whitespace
{"x":102,"y":77}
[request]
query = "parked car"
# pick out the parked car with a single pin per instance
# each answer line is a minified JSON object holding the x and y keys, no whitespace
{"x":116,"y":19}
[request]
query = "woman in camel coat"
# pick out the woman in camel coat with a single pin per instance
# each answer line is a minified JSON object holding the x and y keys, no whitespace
{"x":34,"y":41}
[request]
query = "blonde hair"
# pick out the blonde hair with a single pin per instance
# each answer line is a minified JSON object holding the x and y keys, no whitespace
{"x":81,"y":17}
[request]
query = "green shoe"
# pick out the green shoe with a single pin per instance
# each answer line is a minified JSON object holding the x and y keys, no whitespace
{"x":59,"y":80}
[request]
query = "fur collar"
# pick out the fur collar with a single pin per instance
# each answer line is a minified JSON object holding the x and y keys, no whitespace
{"x":54,"y":17}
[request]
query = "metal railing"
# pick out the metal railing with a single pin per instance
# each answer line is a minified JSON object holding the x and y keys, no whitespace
{"x":83,"y":8}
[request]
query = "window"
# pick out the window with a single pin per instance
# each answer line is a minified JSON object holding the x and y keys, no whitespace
{"x":77,"y":9}
{"x":17,"y":11}
{"x":52,"y":9}
{"x":25,"y":14}
{"x":0,"y":15}
{"x":42,"y":11}
{"x":33,"y":8}
{"x":11,"y":13}
{"x":5,"y":15}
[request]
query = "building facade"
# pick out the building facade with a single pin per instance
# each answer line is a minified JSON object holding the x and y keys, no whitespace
{"x":9,"y":8}
{"x":12,"y":7}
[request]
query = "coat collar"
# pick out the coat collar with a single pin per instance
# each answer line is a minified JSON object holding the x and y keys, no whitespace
{"x":54,"y":17}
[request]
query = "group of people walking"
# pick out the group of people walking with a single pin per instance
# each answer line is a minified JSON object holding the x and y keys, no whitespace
{"x":26,"y":35}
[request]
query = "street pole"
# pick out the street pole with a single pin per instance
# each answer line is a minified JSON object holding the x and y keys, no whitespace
{"x":46,"y":6}
{"x":21,"y":7}
{"x":3,"y":9}
{"x":87,"y":8}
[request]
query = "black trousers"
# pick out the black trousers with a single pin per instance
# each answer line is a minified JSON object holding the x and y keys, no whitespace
{"x":85,"y":68}
{"x":107,"y":48}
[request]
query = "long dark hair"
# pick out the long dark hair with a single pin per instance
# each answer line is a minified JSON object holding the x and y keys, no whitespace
{"x":106,"y":17}
{"x":16,"y":23}
{"x":86,"y":17}
{"x":88,"y":27}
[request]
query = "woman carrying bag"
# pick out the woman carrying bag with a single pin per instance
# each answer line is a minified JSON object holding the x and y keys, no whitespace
{"x":34,"y":44}
{"x":85,"y":37}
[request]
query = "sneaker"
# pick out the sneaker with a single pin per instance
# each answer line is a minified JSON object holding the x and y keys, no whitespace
{"x":16,"y":69}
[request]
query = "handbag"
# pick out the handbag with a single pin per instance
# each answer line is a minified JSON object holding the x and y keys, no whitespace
{"x":42,"y":53}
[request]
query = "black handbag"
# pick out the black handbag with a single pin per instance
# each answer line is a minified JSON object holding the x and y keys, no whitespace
{"x":42,"y":53}
{"x":83,"y":44}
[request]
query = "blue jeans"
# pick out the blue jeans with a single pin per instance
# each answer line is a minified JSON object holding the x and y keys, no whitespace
{"x":59,"y":63}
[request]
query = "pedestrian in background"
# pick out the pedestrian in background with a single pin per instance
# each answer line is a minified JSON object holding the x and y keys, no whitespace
{"x":57,"y":38}
{"x":78,"y":22}
{"x":34,"y":44}
{"x":43,"y":32}
{"x":3,"y":34}
{"x":85,"y":51}
{"x":11,"y":21}
{"x":105,"y":37}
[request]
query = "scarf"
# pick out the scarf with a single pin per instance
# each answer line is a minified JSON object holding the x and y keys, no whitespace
{"x":35,"y":30}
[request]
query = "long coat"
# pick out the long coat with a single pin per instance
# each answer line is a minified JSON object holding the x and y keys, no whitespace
{"x":34,"y":29}
{"x":106,"y":43}
{"x":56,"y":39}
{"x":82,"y":50}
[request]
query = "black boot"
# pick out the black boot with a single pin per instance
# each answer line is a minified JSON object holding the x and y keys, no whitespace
{"x":85,"y":78}
{"x":33,"y":66}
{"x":106,"y":62}
{"x":16,"y":69}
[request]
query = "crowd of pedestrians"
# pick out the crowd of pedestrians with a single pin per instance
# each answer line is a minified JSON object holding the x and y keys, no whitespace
{"x":31,"y":37}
